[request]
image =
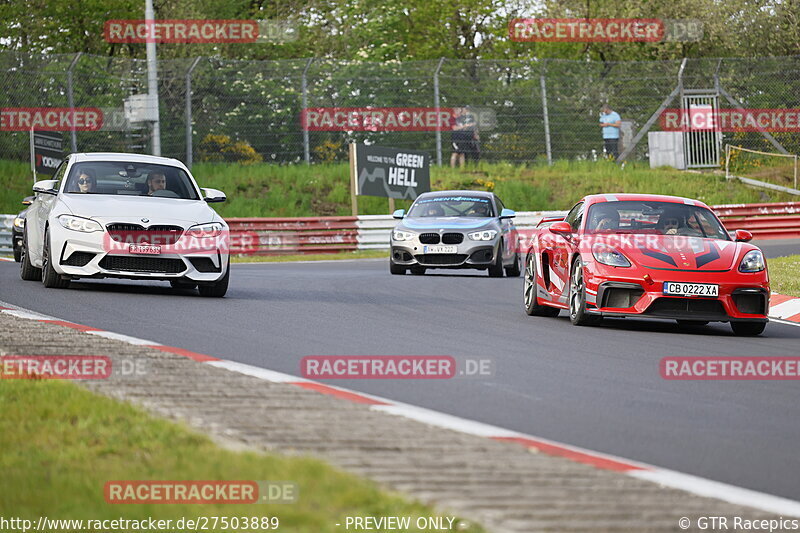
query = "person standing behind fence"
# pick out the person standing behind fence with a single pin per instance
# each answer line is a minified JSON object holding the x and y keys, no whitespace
{"x":610,"y":121}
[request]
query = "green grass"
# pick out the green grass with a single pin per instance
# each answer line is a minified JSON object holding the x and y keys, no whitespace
{"x":784,"y":275}
{"x":269,"y":190}
{"x":61,"y":443}
{"x":360,"y":254}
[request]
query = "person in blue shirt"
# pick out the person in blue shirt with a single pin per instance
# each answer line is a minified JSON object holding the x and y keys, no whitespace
{"x":610,"y":121}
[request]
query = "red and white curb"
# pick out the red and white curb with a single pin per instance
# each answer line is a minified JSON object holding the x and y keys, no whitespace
{"x":787,"y":308}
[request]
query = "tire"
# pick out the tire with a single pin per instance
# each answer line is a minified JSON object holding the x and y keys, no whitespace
{"x":50,"y":278}
{"x":417,"y":270}
{"x":182,"y":285}
{"x":691,"y":323}
{"x":532,"y":307}
{"x":27,"y":271}
{"x":397,"y":270}
{"x":514,"y":270}
{"x":577,"y":297}
{"x":216,"y":289}
{"x":496,"y":269}
{"x":748,"y":329}
{"x":17,"y":253}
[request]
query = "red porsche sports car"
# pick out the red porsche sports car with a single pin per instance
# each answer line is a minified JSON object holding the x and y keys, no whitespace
{"x":621,"y":255}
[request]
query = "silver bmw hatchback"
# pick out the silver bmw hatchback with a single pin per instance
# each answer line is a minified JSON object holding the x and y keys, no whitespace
{"x":455,"y":229}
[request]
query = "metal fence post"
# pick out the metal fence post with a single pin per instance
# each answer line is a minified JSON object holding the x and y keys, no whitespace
{"x":304,"y":88}
{"x":189,"y":133}
{"x":436,"y":107}
{"x":543,"y":84}
{"x":73,"y":135}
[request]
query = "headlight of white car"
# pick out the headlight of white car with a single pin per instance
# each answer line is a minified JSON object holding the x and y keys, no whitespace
{"x":400,"y":235}
{"x":753,"y":261}
{"x":84,"y":225}
{"x":212,"y":229}
{"x":19,"y":222}
{"x":609,"y":256}
{"x":485,"y":235}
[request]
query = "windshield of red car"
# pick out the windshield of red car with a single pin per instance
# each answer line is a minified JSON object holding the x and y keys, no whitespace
{"x":661,"y":218}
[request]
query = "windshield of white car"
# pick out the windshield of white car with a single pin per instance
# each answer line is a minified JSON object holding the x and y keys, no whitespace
{"x":660,"y":218}
{"x":121,"y":178}
{"x":452,"y":206}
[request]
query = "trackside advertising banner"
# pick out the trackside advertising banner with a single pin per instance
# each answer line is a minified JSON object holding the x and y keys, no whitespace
{"x":390,"y":172}
{"x":47,"y":151}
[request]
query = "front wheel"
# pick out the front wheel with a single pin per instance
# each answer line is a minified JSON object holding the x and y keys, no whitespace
{"x":577,"y":297}
{"x":496,"y":268}
{"x":514,"y":270}
{"x":397,"y":270}
{"x":748,"y":329}
{"x":532,"y":307}
{"x":417,"y":270}
{"x":50,"y":278}
{"x":219,"y":288}
{"x":17,"y":253}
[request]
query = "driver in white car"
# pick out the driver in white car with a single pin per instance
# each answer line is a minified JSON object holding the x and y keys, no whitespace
{"x":156,"y":182}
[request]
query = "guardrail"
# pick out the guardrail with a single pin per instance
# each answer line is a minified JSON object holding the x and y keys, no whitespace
{"x":318,"y":235}
{"x":6,"y":222}
{"x":764,"y":221}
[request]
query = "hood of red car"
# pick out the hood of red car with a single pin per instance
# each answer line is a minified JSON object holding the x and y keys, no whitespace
{"x":683,"y":253}
{"x":671,"y":252}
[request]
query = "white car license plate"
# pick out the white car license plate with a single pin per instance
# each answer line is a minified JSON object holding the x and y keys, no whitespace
{"x":439,"y":249}
{"x":676,"y":288}
{"x":144,"y":249}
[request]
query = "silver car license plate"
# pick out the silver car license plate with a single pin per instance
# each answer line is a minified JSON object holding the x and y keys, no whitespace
{"x":439,"y":249}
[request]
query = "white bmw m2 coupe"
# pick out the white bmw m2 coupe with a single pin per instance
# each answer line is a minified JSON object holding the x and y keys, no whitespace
{"x":114,"y":215}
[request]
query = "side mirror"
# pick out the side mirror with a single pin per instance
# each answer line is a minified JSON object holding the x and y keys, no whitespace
{"x":400,"y":213}
{"x":46,"y":187}
{"x":507,"y":213}
{"x":28,"y":200}
{"x":742,"y":235}
{"x":213,"y":195}
{"x":561,"y":228}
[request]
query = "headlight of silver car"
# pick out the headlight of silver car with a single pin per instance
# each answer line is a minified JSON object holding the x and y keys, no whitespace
{"x":485,"y":235}
{"x":84,"y":225}
{"x":609,"y":256}
{"x":212,"y":229}
{"x":19,"y":222}
{"x":753,"y":261}
{"x":400,"y":235}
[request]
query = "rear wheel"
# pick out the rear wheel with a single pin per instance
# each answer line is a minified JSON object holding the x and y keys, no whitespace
{"x":748,"y":329}
{"x":417,"y":270}
{"x":514,"y":270}
{"x":27,"y":271}
{"x":397,"y":270}
{"x":219,"y":288}
{"x":577,"y":297}
{"x":496,"y":269}
{"x":50,"y":278}
{"x":532,"y":307}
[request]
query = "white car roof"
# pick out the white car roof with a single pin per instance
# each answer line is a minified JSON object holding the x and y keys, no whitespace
{"x":121,"y":156}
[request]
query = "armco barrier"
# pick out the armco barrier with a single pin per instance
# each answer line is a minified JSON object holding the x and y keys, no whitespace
{"x":764,"y":221}
{"x":276,"y":236}
{"x":6,"y":222}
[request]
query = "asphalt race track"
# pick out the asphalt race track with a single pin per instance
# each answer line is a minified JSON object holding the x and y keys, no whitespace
{"x":595,"y":387}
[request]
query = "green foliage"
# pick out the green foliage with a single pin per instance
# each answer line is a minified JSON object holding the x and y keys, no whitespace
{"x":220,"y":148}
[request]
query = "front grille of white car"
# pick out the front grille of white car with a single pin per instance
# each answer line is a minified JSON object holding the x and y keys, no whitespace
{"x":158,"y":265}
{"x":159,"y":234}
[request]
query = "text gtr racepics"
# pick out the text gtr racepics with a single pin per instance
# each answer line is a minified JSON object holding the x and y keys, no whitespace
{"x":621,"y":255}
